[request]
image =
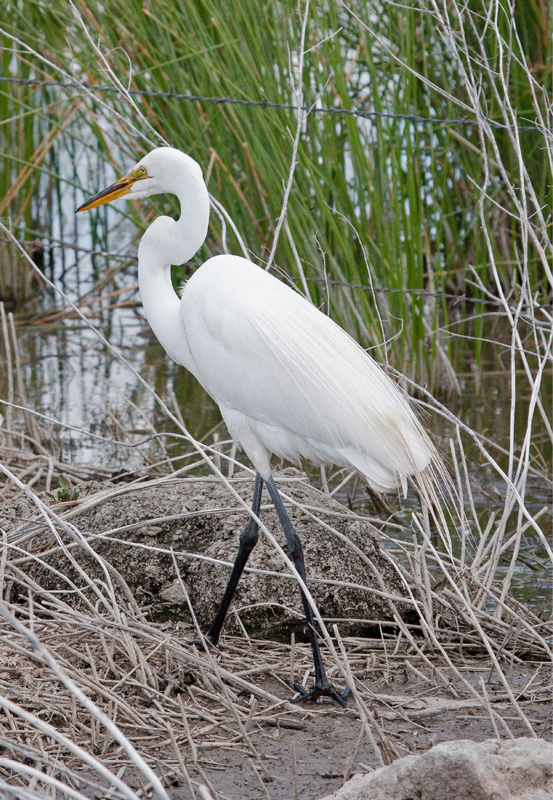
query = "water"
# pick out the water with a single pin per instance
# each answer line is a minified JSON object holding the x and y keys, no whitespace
{"x":100,"y":408}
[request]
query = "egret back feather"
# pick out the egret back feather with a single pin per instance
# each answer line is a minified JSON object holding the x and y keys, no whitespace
{"x":306,"y":388}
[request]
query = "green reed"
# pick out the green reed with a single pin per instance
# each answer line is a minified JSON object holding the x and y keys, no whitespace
{"x":385,"y":200}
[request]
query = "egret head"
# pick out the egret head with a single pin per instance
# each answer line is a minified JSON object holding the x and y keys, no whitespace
{"x":156,"y":173}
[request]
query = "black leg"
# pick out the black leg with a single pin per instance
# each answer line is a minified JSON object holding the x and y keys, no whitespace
{"x":248,"y":540}
{"x":322,"y":687}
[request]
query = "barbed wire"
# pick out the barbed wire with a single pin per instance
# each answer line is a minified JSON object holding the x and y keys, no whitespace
{"x":457,"y":298}
{"x":461,"y":121}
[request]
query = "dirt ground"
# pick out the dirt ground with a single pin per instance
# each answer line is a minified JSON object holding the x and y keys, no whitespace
{"x":222,"y":718}
{"x":280,"y":751}
{"x":311,"y":755}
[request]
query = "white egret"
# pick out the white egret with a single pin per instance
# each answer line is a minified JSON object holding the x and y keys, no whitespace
{"x":286,"y":378}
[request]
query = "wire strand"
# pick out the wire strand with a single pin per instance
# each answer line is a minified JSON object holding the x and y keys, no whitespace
{"x":457,"y":298}
{"x":461,"y":121}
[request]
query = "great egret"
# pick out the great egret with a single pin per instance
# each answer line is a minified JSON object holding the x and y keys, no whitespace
{"x":287,"y":379}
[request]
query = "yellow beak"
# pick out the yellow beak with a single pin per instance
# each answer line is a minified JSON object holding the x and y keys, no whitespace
{"x":120,"y":188}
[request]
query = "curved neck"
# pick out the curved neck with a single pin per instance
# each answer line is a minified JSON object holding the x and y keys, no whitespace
{"x":167,"y":242}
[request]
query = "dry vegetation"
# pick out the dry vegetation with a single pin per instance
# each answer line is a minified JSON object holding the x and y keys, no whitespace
{"x":94,"y":689}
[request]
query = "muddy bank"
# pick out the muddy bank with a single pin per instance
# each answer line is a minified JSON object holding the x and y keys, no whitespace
{"x":179,"y":538}
{"x":122,"y":632}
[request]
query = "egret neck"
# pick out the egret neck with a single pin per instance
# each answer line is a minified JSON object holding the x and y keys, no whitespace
{"x":170,"y":242}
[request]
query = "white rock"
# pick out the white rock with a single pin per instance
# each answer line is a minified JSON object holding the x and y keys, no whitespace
{"x":519,"y":769}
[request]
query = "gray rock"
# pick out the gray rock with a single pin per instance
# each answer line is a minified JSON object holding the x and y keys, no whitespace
{"x":519,"y":769}
{"x":209,"y":525}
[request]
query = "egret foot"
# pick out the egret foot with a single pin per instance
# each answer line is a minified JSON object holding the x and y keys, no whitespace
{"x":326,"y":690}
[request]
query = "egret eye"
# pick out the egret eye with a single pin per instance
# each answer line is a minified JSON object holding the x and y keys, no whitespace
{"x":142,"y":170}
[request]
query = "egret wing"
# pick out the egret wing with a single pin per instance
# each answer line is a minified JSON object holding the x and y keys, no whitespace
{"x":263,"y":350}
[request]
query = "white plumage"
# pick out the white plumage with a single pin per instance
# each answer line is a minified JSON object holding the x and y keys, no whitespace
{"x":287,"y":379}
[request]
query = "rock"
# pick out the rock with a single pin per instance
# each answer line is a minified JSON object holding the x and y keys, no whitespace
{"x":208,"y":524}
{"x":513,"y":769}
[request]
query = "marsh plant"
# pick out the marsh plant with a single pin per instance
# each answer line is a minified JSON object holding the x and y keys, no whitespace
{"x":414,"y":173}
